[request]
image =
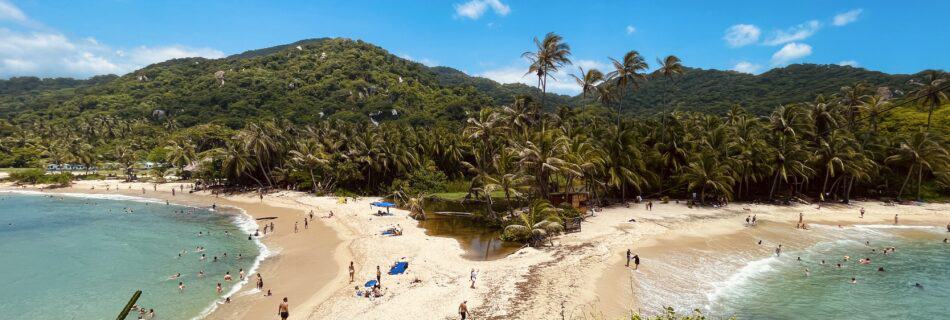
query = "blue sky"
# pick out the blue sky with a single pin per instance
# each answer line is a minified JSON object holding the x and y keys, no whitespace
{"x":481,"y":37}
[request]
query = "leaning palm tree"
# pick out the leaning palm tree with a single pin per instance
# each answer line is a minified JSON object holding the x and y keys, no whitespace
{"x":931,"y":91}
{"x":627,"y":73}
{"x":535,"y":224}
{"x":550,"y":54}
{"x":588,"y":81}
{"x":307,"y":155}
{"x":669,"y":67}
{"x":922,"y":151}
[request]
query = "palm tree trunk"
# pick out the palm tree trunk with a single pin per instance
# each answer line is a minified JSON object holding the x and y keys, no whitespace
{"x":260,"y":164}
{"x":824,"y":186}
{"x":901,"y":191}
{"x":774,"y":184}
{"x":313,"y":180}
{"x":930,"y":113}
{"x":920,"y":177}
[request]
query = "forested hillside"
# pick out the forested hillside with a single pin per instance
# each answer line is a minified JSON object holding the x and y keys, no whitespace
{"x":357,"y":81}
{"x":716,"y":91}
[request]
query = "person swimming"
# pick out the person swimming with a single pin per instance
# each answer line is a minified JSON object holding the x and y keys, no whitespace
{"x":854,"y":281}
{"x":918,"y":285}
{"x":227,"y":276}
{"x":175,"y":276}
{"x":880,"y":269}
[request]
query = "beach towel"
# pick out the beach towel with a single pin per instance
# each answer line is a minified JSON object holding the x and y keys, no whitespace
{"x":389,"y":232}
{"x":399,"y":268}
{"x":370,"y":283}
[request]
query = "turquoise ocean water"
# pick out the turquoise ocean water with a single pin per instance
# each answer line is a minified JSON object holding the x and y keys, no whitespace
{"x":777,"y":288}
{"x":69,"y":257}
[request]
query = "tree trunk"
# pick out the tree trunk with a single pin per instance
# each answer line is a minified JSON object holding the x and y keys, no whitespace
{"x":901,"y":192}
{"x":920,"y":177}
{"x":260,"y":165}
{"x":823,"y":186}
{"x":313,"y":180}
{"x":774,"y":184}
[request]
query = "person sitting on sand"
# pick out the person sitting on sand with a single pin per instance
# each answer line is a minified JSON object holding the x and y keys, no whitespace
{"x":359,"y":293}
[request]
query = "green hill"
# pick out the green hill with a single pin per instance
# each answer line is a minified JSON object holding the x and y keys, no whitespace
{"x":356,"y":81}
{"x":716,"y":90}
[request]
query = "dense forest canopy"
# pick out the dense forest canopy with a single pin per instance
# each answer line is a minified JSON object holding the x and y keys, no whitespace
{"x":343,"y":116}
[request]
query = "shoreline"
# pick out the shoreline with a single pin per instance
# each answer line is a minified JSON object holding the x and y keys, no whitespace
{"x":576,"y":278}
{"x":275,"y":259}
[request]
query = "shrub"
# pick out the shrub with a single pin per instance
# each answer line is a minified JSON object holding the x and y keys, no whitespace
{"x":30,"y":176}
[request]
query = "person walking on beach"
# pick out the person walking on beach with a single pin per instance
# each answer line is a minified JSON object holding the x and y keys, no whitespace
{"x":895,"y":218}
{"x":379,"y":276}
{"x":295,"y":226}
{"x":747,"y":220}
{"x":636,"y":262}
{"x":753,"y":220}
{"x":463,"y":310}
{"x":801,"y":220}
{"x":352,"y":271}
{"x":218,"y":288}
{"x":473,"y":276}
{"x":260,"y":282}
{"x":862,"y":213}
{"x":306,"y":225}
{"x":284,"y":309}
{"x":628,"y":257}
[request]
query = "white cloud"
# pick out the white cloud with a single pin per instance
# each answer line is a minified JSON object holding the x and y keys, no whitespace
{"x":50,"y":54}
{"x":796,"y":33}
{"x":426,"y":61}
{"x":474,"y":9}
{"x":630,"y":29}
{"x":8,"y":11}
{"x":791,"y":52}
{"x":850,"y":63}
{"x":847,"y":17}
{"x":561,"y":83}
{"x":741,"y":35}
{"x":143,"y":55}
{"x":746,"y":67}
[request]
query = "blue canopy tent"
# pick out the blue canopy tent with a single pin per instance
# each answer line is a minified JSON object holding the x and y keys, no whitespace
{"x":383,"y":204}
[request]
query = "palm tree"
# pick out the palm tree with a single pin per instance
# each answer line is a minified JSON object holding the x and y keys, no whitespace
{"x":875,"y":106}
{"x":850,"y":97}
{"x":550,"y":54}
{"x":670,"y":66}
{"x":627,"y":73}
{"x":308,"y":155}
{"x":922,"y":151}
{"x":180,"y":153}
{"x":535,"y":224}
{"x":834,"y":153}
{"x":260,"y":144}
{"x":705,"y":172}
{"x":588,"y":81}
{"x":930,"y":92}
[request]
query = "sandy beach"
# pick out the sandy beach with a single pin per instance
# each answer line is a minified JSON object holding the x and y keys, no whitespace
{"x":581,"y":276}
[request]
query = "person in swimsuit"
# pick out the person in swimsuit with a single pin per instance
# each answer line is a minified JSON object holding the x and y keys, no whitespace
{"x":352,"y":271}
{"x":895,"y":218}
{"x":862,"y":212}
{"x":181,"y":287}
{"x":463,"y":310}
{"x":260,"y":282}
{"x":628,"y":257}
{"x":474,"y":275}
{"x":284,"y":309}
{"x":218,"y":289}
{"x":636,"y":262}
{"x":379,"y":276}
{"x":778,"y":251}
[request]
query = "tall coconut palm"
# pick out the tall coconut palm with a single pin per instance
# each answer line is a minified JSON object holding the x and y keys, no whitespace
{"x":669,"y":67}
{"x":922,"y":151}
{"x":875,"y":106}
{"x":180,"y":153}
{"x":931,"y":91}
{"x":627,"y":72}
{"x":850,"y":97}
{"x":549,"y":56}
{"x":588,"y":81}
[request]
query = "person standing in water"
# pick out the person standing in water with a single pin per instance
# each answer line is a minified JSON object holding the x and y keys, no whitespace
{"x":895,"y":218}
{"x":628,"y":257}
{"x":778,"y":251}
{"x":463,"y":310}
{"x":636,"y":262}
{"x":862,"y":212}
{"x":284,"y":309}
